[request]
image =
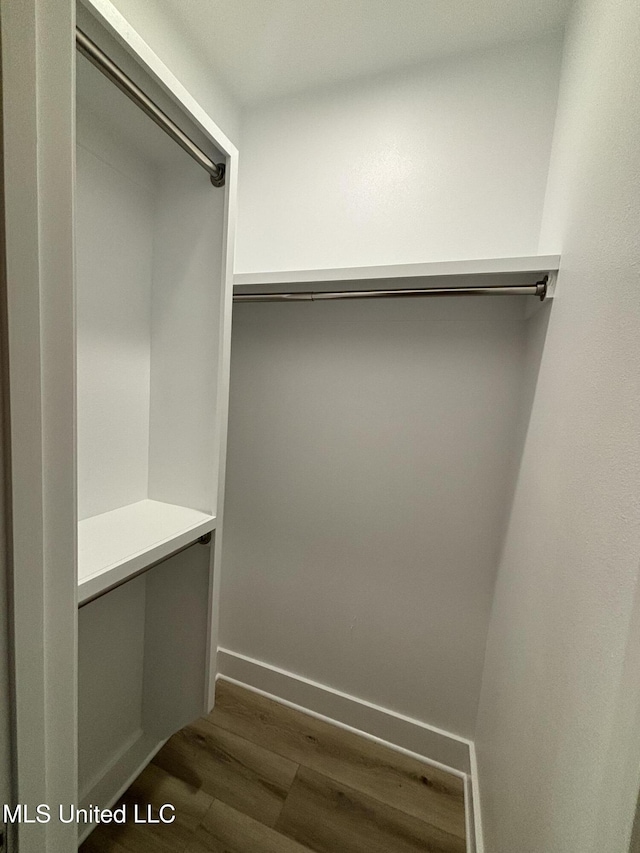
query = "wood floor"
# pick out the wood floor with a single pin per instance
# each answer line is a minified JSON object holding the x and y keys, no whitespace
{"x":258,"y":777}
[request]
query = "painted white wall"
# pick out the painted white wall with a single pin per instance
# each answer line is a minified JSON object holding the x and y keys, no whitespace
{"x":558,"y":725}
{"x":167,"y":38}
{"x":285,"y":46}
{"x":114,"y":257}
{"x":370,"y":467}
{"x":444,"y":161}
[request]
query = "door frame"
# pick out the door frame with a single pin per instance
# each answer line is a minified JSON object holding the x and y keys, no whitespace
{"x":38,"y":167}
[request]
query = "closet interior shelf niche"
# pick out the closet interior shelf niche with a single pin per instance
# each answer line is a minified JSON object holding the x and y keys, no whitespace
{"x":150,"y":293}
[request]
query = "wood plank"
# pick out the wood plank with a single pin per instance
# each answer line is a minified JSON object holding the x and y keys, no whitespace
{"x":101,"y":842}
{"x":329,"y":817}
{"x":156,"y":787}
{"x":225,"y":830}
{"x":229,"y":768}
{"x":403,"y":782}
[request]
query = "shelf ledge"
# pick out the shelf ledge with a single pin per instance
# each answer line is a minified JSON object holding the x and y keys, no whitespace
{"x":119,"y":544}
{"x":536,"y":265}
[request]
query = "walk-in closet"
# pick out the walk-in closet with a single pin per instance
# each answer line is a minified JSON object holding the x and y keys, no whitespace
{"x":320,"y":405}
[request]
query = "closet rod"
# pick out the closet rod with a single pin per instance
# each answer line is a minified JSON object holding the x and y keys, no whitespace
{"x":538,"y":289}
{"x":108,"y":67}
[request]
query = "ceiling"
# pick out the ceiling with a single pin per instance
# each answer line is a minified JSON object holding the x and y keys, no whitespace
{"x":270,"y":48}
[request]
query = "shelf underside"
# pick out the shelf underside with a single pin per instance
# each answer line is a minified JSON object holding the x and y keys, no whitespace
{"x":119,"y":544}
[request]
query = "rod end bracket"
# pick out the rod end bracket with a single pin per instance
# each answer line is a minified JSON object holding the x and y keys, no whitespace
{"x":543,"y":287}
{"x":552,"y":285}
{"x":219,"y":179}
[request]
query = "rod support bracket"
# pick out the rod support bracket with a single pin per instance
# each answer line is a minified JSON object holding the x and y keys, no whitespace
{"x":551,"y":281}
{"x":206,"y":539}
{"x":219,"y":179}
{"x":543,"y":284}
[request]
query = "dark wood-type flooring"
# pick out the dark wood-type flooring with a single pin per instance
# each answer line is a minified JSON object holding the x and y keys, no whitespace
{"x":258,"y":777}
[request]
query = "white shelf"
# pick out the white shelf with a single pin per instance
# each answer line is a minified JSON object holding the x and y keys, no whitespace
{"x":116,"y":545}
{"x":536,"y":265}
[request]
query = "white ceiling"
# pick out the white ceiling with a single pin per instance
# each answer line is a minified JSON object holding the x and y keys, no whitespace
{"x":266,"y":48}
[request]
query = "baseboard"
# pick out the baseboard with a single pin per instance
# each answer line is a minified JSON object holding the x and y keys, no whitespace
{"x":405,"y":734}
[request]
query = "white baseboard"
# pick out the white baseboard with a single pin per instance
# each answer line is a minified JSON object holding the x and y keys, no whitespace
{"x":404,"y":734}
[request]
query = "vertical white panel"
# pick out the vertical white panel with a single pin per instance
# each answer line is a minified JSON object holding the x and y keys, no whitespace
{"x":222,"y":409}
{"x":176,"y":633}
{"x":38,"y":55}
{"x":110,"y":670}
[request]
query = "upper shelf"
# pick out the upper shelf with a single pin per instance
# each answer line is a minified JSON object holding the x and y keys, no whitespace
{"x":534,"y":266}
{"x":117,"y":545}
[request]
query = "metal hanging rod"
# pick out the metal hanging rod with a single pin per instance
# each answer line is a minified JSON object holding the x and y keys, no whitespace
{"x":538,"y":289}
{"x":108,"y":67}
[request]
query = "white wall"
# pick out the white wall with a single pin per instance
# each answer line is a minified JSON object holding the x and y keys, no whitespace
{"x":444,"y":161}
{"x":166,"y":38}
{"x":369,"y":472}
{"x":114,"y":253}
{"x":558,"y":726}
